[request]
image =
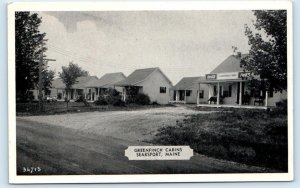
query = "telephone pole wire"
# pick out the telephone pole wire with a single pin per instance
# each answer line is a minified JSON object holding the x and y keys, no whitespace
{"x":41,"y":62}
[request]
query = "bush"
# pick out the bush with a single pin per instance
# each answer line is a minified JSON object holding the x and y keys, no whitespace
{"x":112,"y":92}
{"x":80,"y":99}
{"x":118,"y":102}
{"x":282,"y":106}
{"x":101,"y":101}
{"x":142,"y":99}
{"x":242,"y":152}
{"x":59,"y":96}
{"x":27,"y":97}
{"x":154,"y":103}
{"x":111,"y":97}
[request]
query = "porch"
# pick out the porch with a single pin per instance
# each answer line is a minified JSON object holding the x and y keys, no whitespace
{"x":92,"y":93}
{"x":234,"y":94}
{"x":180,"y":96}
{"x":72,"y":95}
{"x":129,"y":92}
{"x":233,"y":106}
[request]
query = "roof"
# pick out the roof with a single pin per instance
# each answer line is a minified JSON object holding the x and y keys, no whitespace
{"x":139,"y":75}
{"x":57,"y":83}
{"x":187,"y":83}
{"x":231,"y":64}
{"x":107,"y":80}
{"x":81,"y":81}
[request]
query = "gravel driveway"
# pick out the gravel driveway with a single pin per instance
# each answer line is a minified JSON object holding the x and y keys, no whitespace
{"x":139,"y":125}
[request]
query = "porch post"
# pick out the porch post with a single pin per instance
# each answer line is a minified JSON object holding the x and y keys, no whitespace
{"x":176,"y":95}
{"x":209,"y":93}
{"x":124,"y":94}
{"x":241,"y":87}
{"x":198,"y":94}
{"x":266,"y":100}
{"x":218,"y":95}
{"x":84,"y":93}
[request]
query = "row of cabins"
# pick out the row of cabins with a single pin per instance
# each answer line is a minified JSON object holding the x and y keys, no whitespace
{"x":225,"y":85}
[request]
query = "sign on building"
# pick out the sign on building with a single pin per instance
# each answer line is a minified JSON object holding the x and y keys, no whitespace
{"x":211,"y":76}
{"x":228,"y":76}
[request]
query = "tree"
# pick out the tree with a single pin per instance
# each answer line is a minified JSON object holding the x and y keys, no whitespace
{"x":69,"y":76}
{"x":28,"y":44}
{"x":267,"y":59}
{"x":47,"y":78}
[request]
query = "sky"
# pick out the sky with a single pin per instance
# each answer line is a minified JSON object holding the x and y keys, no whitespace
{"x":181,"y":43}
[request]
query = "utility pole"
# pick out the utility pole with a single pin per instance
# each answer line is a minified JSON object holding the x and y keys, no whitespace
{"x":41,"y":62}
{"x":40,"y":79}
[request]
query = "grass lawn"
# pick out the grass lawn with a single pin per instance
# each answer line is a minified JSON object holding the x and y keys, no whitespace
{"x":253,"y":137}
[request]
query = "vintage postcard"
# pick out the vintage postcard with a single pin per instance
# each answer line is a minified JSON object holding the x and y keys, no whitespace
{"x":114,"y":92}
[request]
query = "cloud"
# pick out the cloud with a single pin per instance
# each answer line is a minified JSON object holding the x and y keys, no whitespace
{"x":182,"y":43}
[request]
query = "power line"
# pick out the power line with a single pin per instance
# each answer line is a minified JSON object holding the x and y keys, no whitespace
{"x":69,"y":55}
{"x":69,"y":52}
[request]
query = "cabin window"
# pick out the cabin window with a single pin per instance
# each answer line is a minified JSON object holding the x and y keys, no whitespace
{"x":188,"y":93}
{"x":163,"y":90}
{"x":201,"y":94}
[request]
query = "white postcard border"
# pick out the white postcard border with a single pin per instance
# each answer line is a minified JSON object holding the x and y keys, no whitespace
{"x":144,"y":5}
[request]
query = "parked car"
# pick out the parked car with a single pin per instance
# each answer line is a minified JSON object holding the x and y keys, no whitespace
{"x":50,"y":99}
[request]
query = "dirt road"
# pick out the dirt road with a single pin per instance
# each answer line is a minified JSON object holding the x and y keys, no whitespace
{"x":138,"y":125}
{"x":94,"y":143}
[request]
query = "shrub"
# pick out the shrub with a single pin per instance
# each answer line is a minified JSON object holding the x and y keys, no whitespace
{"x":217,"y":151}
{"x":101,"y":101}
{"x":241,"y":152}
{"x":111,"y":92}
{"x":111,"y":97}
{"x":80,"y":99}
{"x":142,"y":99}
{"x":282,"y":106}
{"x":154,"y":103}
{"x":59,"y":96}
{"x":130,"y":99}
{"x":118,"y":102}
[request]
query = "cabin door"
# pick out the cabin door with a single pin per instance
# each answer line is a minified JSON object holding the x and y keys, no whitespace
{"x":181,"y":95}
{"x":174,"y":95}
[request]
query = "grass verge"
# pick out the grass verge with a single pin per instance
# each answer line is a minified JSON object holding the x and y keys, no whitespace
{"x":29,"y":109}
{"x":252,"y":137}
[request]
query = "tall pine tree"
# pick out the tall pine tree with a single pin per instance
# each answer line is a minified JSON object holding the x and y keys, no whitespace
{"x":28,"y":44}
